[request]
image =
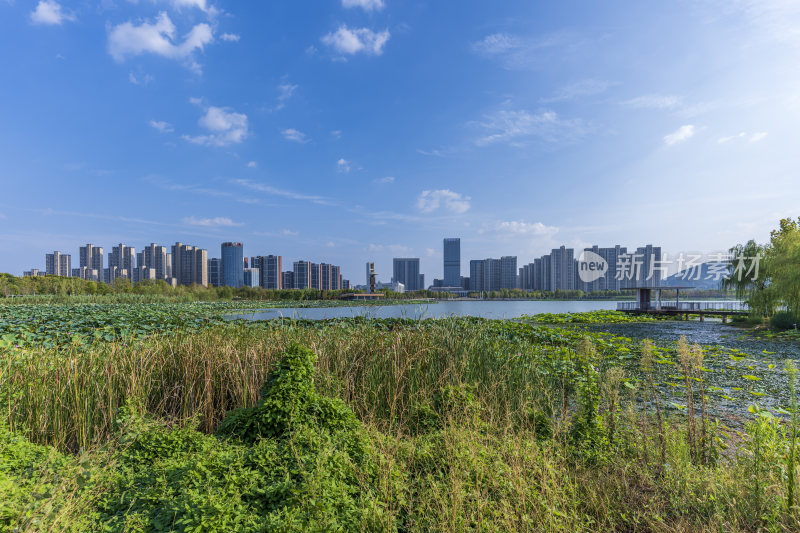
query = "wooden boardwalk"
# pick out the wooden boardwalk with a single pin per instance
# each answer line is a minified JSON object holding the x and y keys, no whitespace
{"x":685,"y":309}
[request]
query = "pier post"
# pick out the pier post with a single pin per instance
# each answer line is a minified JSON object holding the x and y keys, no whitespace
{"x":702,"y":317}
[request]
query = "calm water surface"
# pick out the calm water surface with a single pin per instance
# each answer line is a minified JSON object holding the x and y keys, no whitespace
{"x":485,"y":309}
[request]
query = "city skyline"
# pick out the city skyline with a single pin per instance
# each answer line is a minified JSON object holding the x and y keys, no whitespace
{"x":367,"y":130}
{"x":558,"y":270}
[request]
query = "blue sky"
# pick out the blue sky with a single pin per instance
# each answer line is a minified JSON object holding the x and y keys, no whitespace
{"x":354,"y":130}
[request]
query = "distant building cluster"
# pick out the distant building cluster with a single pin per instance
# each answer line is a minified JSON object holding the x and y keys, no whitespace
{"x":591,"y":269}
{"x":184,"y":264}
{"x":558,"y":270}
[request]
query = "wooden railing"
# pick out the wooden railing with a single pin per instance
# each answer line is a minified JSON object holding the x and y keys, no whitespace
{"x":684,"y":306}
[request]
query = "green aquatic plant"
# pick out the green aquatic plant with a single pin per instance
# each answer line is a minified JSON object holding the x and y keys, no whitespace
{"x":647,"y":368}
{"x":791,"y":460}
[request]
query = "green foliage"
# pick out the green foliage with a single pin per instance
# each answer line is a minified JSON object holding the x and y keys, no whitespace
{"x":289,"y":401}
{"x":296,"y":461}
{"x":588,"y":432}
{"x":777,"y":279}
{"x":382,"y":425}
{"x":589,"y":317}
{"x":784,"y":320}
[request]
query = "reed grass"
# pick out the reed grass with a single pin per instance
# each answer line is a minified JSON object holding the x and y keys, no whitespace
{"x":502,"y":455}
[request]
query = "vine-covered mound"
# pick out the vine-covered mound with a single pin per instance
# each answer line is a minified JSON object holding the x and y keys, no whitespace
{"x":294,"y":461}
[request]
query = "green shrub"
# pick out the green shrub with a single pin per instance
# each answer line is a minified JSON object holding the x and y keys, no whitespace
{"x":783,"y":320}
{"x":296,"y":461}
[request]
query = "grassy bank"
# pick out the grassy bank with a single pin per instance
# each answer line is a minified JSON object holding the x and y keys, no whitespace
{"x":443,"y":425}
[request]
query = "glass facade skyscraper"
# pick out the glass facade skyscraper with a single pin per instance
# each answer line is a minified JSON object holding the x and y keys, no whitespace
{"x":232,"y":272}
{"x":452,"y":262}
{"x":405,"y":270}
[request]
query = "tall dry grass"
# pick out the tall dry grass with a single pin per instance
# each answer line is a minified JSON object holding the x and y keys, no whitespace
{"x":70,"y":398}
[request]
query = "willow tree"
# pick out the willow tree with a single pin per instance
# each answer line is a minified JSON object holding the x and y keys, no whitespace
{"x":748,"y":275}
{"x":768,"y":275}
{"x":784,"y":263}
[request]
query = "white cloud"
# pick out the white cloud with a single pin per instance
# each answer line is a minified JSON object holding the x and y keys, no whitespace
{"x":510,"y":125}
{"x":396,"y":249}
{"x":654,"y":101}
{"x":215,"y":222}
{"x":286,"y":91}
{"x":142,"y":80}
{"x":202,"y":5}
{"x":366,"y":5}
{"x":336,"y":134}
{"x":230,"y":37}
{"x":50,"y":12}
{"x":753,"y":137}
{"x":343,"y":165}
{"x":430,"y":252}
{"x":226,"y":127}
{"x":352,"y":41}
{"x":163,"y":127}
{"x":579,"y":88}
{"x":515,"y":52}
{"x":290,"y":233}
{"x":252,"y":164}
{"x":430,"y":201}
{"x":723,"y":140}
{"x":496,"y":43}
{"x":274,"y":191}
{"x":519,"y":227}
{"x":158,"y":38}
{"x":683,"y":133}
{"x":387,"y":179}
{"x":292,"y":134}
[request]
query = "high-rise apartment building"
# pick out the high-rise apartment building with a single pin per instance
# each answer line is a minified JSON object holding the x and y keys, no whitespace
{"x":484,"y":274}
{"x":121,"y":262}
{"x":405,"y":270}
{"x":643,"y":268}
{"x":493,"y":274}
{"x":144,"y":273}
{"x":156,"y":257}
{"x":608,"y":281}
{"x":58,"y":264}
{"x":562,"y":269}
{"x":189,"y":264}
{"x":287,"y":279}
{"x":508,"y":272}
{"x":325,"y":276}
{"x":336,"y":278}
{"x":452,"y":262}
{"x":251,"y":277}
{"x":302,"y":274}
{"x":91,"y":257}
{"x":269,"y":270}
{"x":214,"y":270}
{"x":232,"y":274}
{"x":90,"y":274}
{"x":314,"y":273}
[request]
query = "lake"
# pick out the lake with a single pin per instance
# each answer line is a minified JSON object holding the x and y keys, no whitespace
{"x":444,"y":308}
